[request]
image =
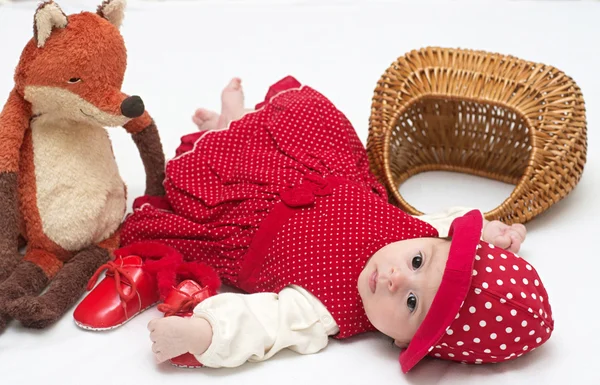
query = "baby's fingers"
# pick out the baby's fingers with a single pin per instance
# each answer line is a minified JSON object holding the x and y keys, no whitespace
{"x":521,"y":230}
{"x":152,"y":324}
{"x":502,"y":241}
{"x":161,"y":357}
{"x":515,"y":245}
{"x":160,"y":351}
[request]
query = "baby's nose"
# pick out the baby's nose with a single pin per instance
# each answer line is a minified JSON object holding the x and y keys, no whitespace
{"x":397,"y":280}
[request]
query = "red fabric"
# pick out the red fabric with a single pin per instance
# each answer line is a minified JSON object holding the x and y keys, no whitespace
{"x":283,"y":196}
{"x":160,"y":202}
{"x":162,"y":261}
{"x":491,"y":305}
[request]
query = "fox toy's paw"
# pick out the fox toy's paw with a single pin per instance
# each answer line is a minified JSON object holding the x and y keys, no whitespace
{"x":33,"y":312}
{"x":26,"y":279}
{"x":8,"y":293}
{"x":4,"y":320}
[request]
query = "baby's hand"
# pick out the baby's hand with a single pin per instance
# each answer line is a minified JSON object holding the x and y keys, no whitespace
{"x":504,"y":236}
{"x":174,"y":336}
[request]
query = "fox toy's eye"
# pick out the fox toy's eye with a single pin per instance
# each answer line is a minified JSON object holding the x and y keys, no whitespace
{"x":74,"y":80}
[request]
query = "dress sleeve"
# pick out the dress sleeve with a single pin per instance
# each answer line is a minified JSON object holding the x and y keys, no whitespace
{"x":442,"y":220}
{"x":254,"y":327}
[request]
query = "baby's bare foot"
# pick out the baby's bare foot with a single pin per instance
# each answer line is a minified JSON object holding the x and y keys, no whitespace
{"x":205,"y":119}
{"x":232,"y":102}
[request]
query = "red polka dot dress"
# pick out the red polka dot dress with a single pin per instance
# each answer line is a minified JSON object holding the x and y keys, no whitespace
{"x":282,"y":196}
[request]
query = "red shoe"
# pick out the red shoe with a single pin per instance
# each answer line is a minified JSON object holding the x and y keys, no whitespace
{"x":182,"y":300}
{"x":130,"y":285}
{"x":126,"y":291}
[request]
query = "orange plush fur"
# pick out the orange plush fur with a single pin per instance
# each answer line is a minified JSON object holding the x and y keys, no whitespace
{"x":59,"y":184}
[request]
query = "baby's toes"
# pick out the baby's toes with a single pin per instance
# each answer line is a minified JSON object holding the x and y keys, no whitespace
{"x":204,"y":118}
{"x":234,"y":85}
{"x":203,"y":114}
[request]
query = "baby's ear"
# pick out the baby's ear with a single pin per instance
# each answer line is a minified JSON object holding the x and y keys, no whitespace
{"x":401,"y":344}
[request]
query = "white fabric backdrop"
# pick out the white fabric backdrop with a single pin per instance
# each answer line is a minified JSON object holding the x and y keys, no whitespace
{"x":180,"y":56}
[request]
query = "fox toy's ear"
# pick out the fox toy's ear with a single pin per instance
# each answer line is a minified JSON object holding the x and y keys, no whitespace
{"x":48,"y":16}
{"x":113,"y":11}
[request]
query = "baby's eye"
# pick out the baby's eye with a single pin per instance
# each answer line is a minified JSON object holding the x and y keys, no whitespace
{"x":411,"y":302}
{"x":74,"y":80}
{"x":417,"y":261}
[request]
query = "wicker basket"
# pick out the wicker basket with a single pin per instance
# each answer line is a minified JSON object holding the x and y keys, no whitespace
{"x":483,"y":114}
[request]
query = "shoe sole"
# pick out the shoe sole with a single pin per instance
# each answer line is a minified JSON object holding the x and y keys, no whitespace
{"x":86,"y":327}
{"x":186,"y":366}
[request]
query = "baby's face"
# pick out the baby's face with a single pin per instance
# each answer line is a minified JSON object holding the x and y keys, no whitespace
{"x":399,"y":282}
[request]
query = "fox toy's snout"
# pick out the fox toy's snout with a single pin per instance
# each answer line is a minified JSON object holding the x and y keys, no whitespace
{"x":132,"y":107}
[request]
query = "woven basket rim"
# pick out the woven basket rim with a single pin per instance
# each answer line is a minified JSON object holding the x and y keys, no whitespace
{"x":487,"y":78}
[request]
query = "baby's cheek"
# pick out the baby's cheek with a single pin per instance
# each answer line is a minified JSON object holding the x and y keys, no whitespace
{"x":382,"y":317}
{"x":400,"y":325}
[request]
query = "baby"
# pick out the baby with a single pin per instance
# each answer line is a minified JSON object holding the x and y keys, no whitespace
{"x":281,"y":203}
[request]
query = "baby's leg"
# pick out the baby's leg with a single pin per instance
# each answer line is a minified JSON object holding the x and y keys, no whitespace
{"x":232,"y":102}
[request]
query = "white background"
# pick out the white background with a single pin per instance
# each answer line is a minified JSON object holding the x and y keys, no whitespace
{"x":180,"y":56}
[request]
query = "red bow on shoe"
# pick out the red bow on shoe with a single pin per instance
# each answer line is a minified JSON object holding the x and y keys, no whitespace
{"x":193,"y":283}
{"x":116,"y":271}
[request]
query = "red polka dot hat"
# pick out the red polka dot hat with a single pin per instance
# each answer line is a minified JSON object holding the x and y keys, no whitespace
{"x":491,"y":305}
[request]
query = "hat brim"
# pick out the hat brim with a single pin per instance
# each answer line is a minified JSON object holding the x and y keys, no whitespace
{"x":456,"y":281}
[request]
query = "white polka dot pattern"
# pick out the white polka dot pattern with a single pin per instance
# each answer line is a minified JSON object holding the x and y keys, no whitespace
{"x":494,"y":325}
{"x":223,"y":189}
{"x":319,"y":250}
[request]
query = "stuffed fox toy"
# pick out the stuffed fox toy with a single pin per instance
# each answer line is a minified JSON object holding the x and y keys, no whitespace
{"x":60,"y":189}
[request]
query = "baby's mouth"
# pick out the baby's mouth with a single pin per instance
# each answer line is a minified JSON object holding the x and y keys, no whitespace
{"x":373,"y":281}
